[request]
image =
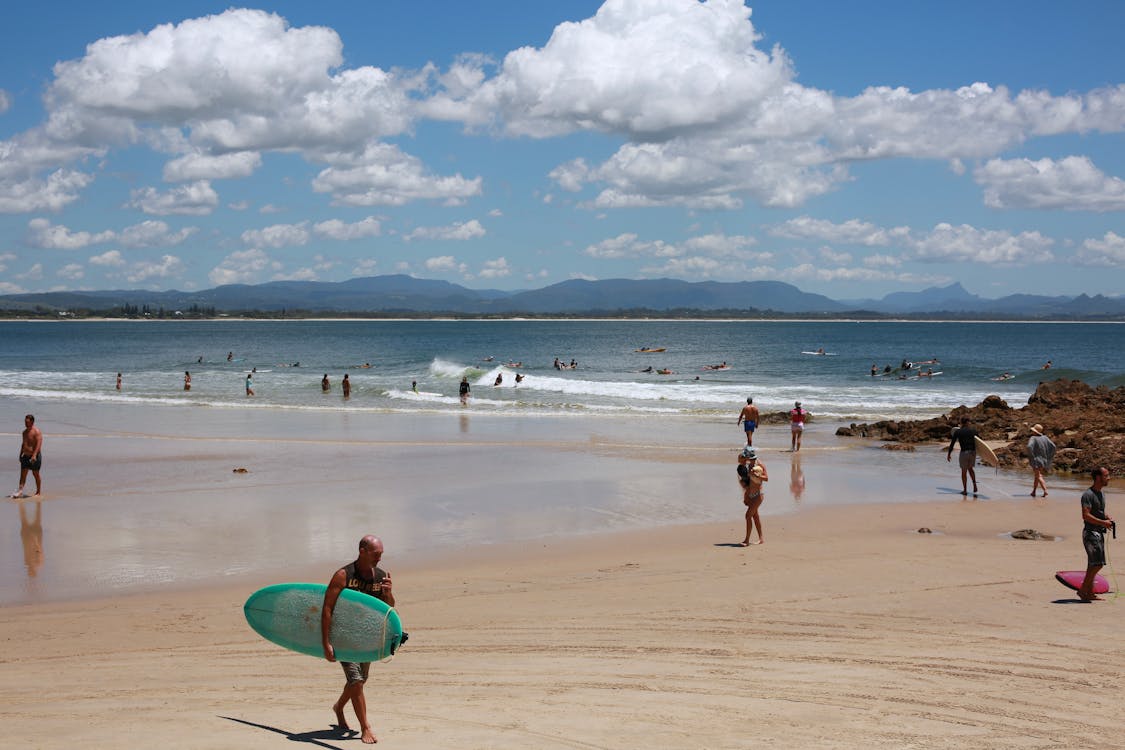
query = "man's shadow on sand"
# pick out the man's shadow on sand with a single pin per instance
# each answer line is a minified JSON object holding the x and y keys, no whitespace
{"x":312,"y":738}
{"x":955,"y":491}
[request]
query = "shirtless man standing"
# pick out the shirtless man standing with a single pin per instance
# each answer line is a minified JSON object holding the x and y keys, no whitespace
{"x":31,"y":455}
{"x":748,"y":418}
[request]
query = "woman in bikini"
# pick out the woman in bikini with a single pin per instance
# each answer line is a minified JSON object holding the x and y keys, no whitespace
{"x":751,"y":475}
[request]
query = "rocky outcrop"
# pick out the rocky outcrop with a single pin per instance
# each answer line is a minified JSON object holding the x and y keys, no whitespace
{"x":1086,"y":424}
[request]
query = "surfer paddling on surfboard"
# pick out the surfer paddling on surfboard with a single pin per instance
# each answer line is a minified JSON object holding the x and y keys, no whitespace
{"x":1095,"y":523}
{"x":966,"y":437}
{"x":363,"y":575}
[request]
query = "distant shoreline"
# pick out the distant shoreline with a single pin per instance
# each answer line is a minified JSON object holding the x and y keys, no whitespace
{"x":543,"y":318}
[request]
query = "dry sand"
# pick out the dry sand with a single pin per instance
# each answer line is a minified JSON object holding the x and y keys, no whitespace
{"x":844,"y":630}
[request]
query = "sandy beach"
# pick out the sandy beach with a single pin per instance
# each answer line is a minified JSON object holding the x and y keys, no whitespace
{"x":591,"y":615}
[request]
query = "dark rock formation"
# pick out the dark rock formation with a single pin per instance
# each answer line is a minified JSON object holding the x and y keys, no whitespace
{"x":1087,"y":425}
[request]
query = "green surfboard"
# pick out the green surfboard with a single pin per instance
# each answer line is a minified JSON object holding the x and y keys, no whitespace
{"x":363,"y":628}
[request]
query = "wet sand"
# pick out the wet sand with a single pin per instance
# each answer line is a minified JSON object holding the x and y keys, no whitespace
{"x":141,"y":498}
{"x":592,"y":598}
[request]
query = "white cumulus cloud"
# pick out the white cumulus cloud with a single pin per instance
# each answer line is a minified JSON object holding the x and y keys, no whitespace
{"x":153,"y":233}
{"x":339,"y":230}
{"x":1072,"y":183}
{"x":444,"y":264}
{"x":1108,"y":252}
{"x":364,"y":267}
{"x":467,"y":230}
{"x":111,"y":258}
{"x":42,"y":233}
{"x":23,"y":194}
{"x":967,"y":244}
{"x":495,"y":269}
{"x":71,"y":272}
{"x":193,"y":167}
{"x":168,"y":265}
{"x":851,"y":232}
{"x":385,"y":176}
{"x":278,"y":235}
{"x":193,"y":199}
{"x":243,"y":267}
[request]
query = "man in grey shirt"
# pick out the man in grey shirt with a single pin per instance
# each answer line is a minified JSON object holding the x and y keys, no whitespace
{"x":1095,"y":522}
{"x":1041,"y":452}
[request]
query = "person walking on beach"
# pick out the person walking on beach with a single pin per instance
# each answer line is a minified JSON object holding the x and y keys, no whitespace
{"x":966,"y":437}
{"x":31,"y":456}
{"x":187,"y":380}
{"x":324,"y":384}
{"x":464,"y":390}
{"x":797,"y":417}
{"x":249,"y":385}
{"x":748,"y":417}
{"x":1041,"y":452}
{"x":346,"y":386}
{"x":1094,"y":525}
{"x":751,"y":475}
{"x":363,"y":575}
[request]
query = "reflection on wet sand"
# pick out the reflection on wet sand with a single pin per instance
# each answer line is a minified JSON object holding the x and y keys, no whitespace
{"x":796,"y":477}
{"x":31,"y":534}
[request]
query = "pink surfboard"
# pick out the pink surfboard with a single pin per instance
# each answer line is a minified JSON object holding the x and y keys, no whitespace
{"x":1072,"y":579}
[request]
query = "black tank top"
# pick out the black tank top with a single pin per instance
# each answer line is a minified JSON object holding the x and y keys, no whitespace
{"x":357,"y":583}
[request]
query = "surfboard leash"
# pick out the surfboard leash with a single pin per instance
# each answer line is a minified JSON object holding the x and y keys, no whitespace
{"x":401,"y":640}
{"x":1113,"y":569}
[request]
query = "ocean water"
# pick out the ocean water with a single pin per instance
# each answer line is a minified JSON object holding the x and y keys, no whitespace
{"x":766,"y":360}
{"x":140,"y":493}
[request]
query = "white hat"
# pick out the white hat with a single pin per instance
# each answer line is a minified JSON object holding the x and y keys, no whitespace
{"x":749,"y":452}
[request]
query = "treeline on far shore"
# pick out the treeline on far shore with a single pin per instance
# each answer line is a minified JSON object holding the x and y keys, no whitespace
{"x":196,"y":312}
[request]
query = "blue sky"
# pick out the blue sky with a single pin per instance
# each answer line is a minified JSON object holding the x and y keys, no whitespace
{"x":851,"y":149}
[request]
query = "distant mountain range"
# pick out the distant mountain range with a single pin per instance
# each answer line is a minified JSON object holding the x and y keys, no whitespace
{"x":398,"y":294}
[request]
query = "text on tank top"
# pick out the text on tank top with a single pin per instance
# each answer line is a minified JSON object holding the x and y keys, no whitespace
{"x":357,"y":583}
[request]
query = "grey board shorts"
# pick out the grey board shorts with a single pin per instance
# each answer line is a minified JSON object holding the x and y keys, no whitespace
{"x":356,"y":671}
{"x":967,"y":459}
{"x":1094,"y":542}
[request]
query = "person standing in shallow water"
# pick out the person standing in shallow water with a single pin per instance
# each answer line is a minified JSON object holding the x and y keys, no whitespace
{"x":363,"y":575}
{"x":1095,"y":522}
{"x":31,"y":455}
{"x":187,"y":380}
{"x":797,"y":418}
{"x":324,"y":384}
{"x":966,"y":437}
{"x":346,"y":386}
{"x":748,"y":417}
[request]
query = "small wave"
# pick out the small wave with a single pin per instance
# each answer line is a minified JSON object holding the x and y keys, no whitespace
{"x":443,"y":368}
